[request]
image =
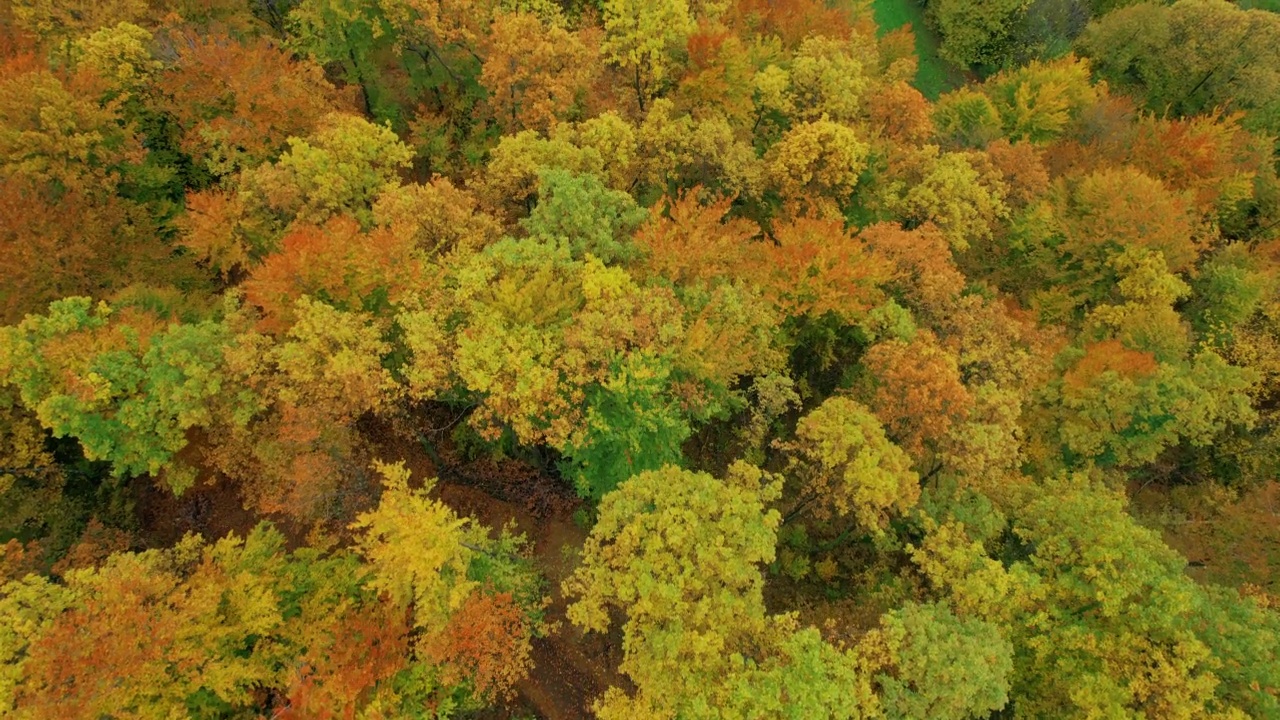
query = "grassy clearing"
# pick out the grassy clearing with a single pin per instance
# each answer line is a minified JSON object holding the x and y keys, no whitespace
{"x":935,"y":75}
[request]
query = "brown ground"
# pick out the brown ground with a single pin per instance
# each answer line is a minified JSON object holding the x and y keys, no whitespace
{"x":1228,"y":537}
{"x":570,"y":669}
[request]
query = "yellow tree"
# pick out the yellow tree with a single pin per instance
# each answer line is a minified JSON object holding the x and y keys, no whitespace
{"x":1107,"y":211}
{"x":815,"y":166}
{"x":534,"y":72}
{"x":952,"y":191}
{"x":61,"y":21}
{"x":340,"y":169}
{"x":1039,"y":101}
{"x":848,"y":467}
{"x":437,"y":217}
{"x":827,"y":80}
{"x":644,"y":39}
{"x":427,"y":611}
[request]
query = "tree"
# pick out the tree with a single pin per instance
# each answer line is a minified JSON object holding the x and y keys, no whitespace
{"x":345,"y":268}
{"x":689,"y":242}
{"x":237,"y":104}
{"x":1106,"y":211}
{"x":37,"y":506}
{"x":332,"y":362}
{"x":950,"y":191}
{"x":649,"y":528}
{"x":511,"y":177}
{"x":457,"y":582}
{"x":443,"y":23}
{"x":121,"y":56}
{"x":533,"y":72}
{"x":613,"y":139}
{"x":631,"y":425}
{"x":901,"y":113}
{"x":195,"y":626}
{"x":1209,"y":156}
{"x":793,"y":21}
{"x":342,"y":167}
{"x":1101,"y":617}
{"x":1229,"y":290}
{"x":642,"y":38}
{"x":1123,"y":408}
{"x":814,"y":267}
{"x":719,"y":74}
{"x":917,"y":393}
{"x":678,"y":553}
{"x":1243,"y":636}
{"x":966,"y":118}
{"x":417,"y":550}
{"x":1146,"y":320}
{"x":63,"y":21}
{"x":847,"y":466}
{"x":827,"y":82}
{"x":206,"y":628}
{"x":678,"y":152}
{"x":976,"y":33}
{"x":816,"y":165}
{"x":1111,"y":649}
{"x":55,"y":131}
{"x":438,"y":217}
{"x":936,"y":665}
{"x":1038,"y":101}
{"x":54,"y":245}
{"x":581,"y":211}
{"x":127,"y":388}
{"x":292,"y":445}
{"x":1192,"y":56}
{"x":924,"y":274}
{"x":349,"y":34}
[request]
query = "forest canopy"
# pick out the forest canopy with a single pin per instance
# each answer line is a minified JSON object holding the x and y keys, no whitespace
{"x":669,"y":359}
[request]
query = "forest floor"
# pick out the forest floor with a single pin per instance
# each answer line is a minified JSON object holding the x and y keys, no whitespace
{"x":1228,"y":537}
{"x":934,"y":76}
{"x":571,"y":669}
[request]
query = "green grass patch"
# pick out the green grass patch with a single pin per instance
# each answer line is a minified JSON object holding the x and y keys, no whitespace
{"x":935,"y":75}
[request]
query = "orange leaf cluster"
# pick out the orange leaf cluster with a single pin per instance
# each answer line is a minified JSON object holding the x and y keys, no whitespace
{"x":918,"y":392}
{"x":486,"y":641}
{"x":1110,"y":356}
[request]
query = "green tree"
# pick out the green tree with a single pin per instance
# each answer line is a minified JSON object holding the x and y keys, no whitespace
{"x":1192,"y":56}
{"x":127,"y":388}
{"x":350,"y":34}
{"x":1101,"y":616}
{"x":678,"y":553}
{"x":936,"y":665}
{"x":632,"y":425}
{"x":581,"y":211}
{"x":976,"y":32}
